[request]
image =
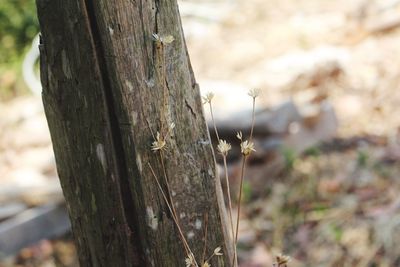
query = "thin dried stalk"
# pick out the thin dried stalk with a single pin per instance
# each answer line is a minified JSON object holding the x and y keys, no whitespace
{"x":213,"y":120}
{"x":229,"y":195}
{"x":253,"y":93}
{"x":167,"y":184}
{"x":239,"y":206}
{"x":226,"y":172}
{"x":182,"y":236}
{"x":205,"y":237}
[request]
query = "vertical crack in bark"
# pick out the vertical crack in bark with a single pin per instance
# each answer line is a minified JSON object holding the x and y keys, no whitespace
{"x":115,"y":132}
{"x":190,"y":108}
{"x":152,"y":70}
{"x":145,"y":36}
{"x":156,"y":13}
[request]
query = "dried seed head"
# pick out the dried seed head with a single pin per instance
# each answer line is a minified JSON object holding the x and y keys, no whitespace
{"x":207,"y":99}
{"x":156,"y":37}
{"x":224,"y":147}
{"x":190,"y":261}
{"x":239,"y":136}
{"x":254,"y":93}
{"x":206,"y":264}
{"x":167,"y":39}
{"x":217,"y":251}
{"x":247,"y":147}
{"x":159,"y":143}
{"x":281,"y":260}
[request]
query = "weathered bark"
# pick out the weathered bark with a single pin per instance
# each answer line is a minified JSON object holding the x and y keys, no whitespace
{"x":103,"y":95}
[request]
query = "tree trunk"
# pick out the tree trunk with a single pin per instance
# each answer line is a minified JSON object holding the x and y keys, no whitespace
{"x":108,"y":87}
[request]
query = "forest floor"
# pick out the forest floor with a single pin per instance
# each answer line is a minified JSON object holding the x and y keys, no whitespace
{"x":335,"y":204}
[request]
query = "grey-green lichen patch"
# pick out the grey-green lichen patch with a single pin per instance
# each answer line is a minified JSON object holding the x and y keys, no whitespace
{"x":129,"y":85}
{"x":198,"y":224}
{"x":139,"y":162}
{"x":190,"y":234}
{"x":111,"y":30}
{"x":65,"y":65}
{"x":134,"y":118}
{"x":152,"y":220}
{"x":101,"y":156}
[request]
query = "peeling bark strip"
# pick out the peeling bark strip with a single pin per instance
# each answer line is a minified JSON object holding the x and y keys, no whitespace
{"x":104,"y":94}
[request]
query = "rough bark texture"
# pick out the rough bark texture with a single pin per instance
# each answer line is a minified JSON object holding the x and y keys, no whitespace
{"x":103,"y":95}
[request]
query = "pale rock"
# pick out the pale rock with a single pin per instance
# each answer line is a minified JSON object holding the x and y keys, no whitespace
{"x":38,"y":158}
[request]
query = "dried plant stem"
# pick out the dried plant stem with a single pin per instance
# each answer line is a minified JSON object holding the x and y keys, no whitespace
{"x":244,"y":158}
{"x":226,"y":171}
{"x":213,"y":120}
{"x":226,"y":176}
{"x":205,"y":237}
{"x":229,"y":196}
{"x":239,"y":205}
{"x":160,"y":48}
{"x":167,"y":184}
{"x":186,"y":245}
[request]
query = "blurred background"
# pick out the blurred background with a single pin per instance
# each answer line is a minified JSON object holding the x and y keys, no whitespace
{"x":323,"y":186}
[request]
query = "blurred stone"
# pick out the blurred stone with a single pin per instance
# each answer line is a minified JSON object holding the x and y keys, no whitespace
{"x":26,"y":177}
{"x":350,"y":106}
{"x":329,"y":186}
{"x":11,"y":209}
{"x":228,"y":98}
{"x":39,"y":158}
{"x":268,"y":121}
{"x":261,"y":256}
{"x":322,"y":129}
{"x":31,"y":132}
{"x":356,"y":240}
{"x":19,"y":109}
{"x":305,"y":69}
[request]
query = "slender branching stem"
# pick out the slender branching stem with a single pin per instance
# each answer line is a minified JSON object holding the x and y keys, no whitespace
{"x":167,"y":184}
{"x":228,"y":192}
{"x":213,"y":120}
{"x":244,"y":158}
{"x":186,"y":245}
{"x":205,"y":237}
{"x":173,"y":210}
{"x":226,"y":176}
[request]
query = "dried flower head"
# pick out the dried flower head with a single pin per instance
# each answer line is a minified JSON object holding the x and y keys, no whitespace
{"x":156,"y":37}
{"x":207,"y":99}
{"x":217,"y":251}
{"x":224,"y":147}
{"x":159,"y":143}
{"x":254,"y":93}
{"x":239,"y":136}
{"x":190,"y":261}
{"x":206,"y":264}
{"x":247,"y":147}
{"x":282,"y":260}
{"x":167,"y":39}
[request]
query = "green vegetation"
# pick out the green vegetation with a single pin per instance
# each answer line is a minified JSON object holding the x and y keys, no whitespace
{"x":18,"y":27}
{"x":247,"y":192}
{"x":362,"y":158}
{"x":290,"y":158}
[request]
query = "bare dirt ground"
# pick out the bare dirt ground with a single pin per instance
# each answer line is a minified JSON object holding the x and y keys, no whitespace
{"x":336,"y":204}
